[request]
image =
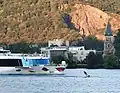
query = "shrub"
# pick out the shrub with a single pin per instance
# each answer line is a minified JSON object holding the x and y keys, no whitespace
{"x":110,"y":62}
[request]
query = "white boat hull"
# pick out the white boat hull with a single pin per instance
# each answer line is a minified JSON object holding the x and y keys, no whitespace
{"x":38,"y":70}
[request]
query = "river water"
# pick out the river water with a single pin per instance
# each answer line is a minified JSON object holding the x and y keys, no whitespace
{"x":74,"y":81}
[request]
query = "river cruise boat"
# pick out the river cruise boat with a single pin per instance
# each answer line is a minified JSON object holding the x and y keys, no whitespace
{"x":28,"y":64}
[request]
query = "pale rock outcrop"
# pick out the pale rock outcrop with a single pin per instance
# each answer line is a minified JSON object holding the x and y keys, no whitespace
{"x":92,"y":21}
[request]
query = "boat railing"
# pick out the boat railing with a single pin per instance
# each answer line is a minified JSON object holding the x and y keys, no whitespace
{"x":24,"y":55}
{"x":8,"y":53}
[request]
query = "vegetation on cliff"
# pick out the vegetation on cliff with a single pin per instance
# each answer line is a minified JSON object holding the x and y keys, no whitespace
{"x":106,"y":5}
{"x":32,"y":21}
{"x":36,"y":21}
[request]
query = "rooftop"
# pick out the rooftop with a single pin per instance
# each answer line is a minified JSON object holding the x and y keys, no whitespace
{"x":108,"y":31}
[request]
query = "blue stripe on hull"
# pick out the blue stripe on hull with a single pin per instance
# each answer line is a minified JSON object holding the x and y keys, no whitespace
{"x":34,"y":62}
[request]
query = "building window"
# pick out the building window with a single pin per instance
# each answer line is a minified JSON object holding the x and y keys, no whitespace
{"x":108,"y":39}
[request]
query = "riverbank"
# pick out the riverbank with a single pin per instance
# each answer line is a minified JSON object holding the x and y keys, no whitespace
{"x":99,"y":66}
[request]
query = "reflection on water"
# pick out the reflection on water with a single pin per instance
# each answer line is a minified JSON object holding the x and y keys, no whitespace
{"x":74,"y":81}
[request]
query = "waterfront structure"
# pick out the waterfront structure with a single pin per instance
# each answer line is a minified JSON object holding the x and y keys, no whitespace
{"x":55,"y":51}
{"x":56,"y":48}
{"x":108,"y":42}
{"x":58,"y":42}
{"x":79,"y":53}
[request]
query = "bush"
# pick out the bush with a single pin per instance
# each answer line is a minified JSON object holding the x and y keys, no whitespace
{"x":94,"y":60}
{"x":110,"y":62}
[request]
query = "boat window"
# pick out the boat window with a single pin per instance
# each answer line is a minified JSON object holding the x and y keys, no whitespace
{"x":81,"y":49}
{"x":4,"y":52}
{"x":10,"y":62}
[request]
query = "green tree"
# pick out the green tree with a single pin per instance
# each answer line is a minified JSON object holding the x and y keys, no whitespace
{"x":91,"y":60}
{"x":111,"y":62}
{"x":91,"y":37}
{"x":91,"y":42}
{"x":106,"y":5}
{"x":117,"y":44}
{"x":94,"y":60}
{"x":24,"y":47}
{"x":71,"y":63}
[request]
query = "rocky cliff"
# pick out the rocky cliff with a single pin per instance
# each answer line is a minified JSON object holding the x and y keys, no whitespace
{"x":92,"y":21}
{"x":37,"y":21}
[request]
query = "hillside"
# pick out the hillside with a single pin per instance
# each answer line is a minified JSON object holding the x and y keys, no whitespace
{"x":92,"y":21}
{"x":106,"y":5}
{"x":38,"y":21}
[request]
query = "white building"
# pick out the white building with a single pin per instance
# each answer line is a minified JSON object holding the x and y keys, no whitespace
{"x":58,"y":42}
{"x":54,"y":51}
{"x":80,"y":53}
{"x":61,"y":47}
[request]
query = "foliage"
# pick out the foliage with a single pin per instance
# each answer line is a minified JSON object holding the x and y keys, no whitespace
{"x":69,"y":60}
{"x":67,"y":20}
{"x":34,"y":21}
{"x":91,"y":42}
{"x":24,"y":47}
{"x":110,"y":62}
{"x":106,"y":5}
{"x":38,"y":21}
{"x":94,"y":60}
{"x":91,"y":37}
{"x":68,"y":10}
{"x":117,"y":44}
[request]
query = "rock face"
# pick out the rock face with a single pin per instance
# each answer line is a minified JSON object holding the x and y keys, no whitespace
{"x":37,"y":21}
{"x":92,"y":21}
